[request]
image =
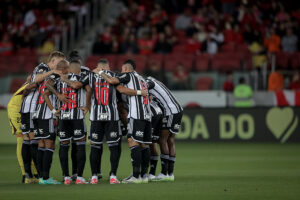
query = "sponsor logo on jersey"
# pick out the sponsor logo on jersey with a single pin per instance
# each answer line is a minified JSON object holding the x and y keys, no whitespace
{"x":139,"y":133}
{"x":113,"y":134}
{"x":41,"y":131}
{"x":41,"y":70}
{"x":77,"y":132}
{"x":62,"y":134}
{"x":52,"y":76}
{"x":35,"y":132}
{"x":94,"y":136}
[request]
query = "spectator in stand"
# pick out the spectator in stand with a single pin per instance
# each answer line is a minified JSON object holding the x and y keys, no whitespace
{"x":276,"y":80}
{"x":199,"y":18}
{"x":180,"y":78}
{"x":238,"y":36}
{"x":228,"y":6}
{"x":258,"y":54}
{"x":144,"y":29}
{"x":228,"y":84}
{"x":243,"y":94}
{"x":193,"y":46}
{"x":170,"y":37}
{"x":272,"y":41}
{"x":98,"y":46}
{"x":295,"y":83}
{"x":191,"y":30}
{"x":6,"y":46}
{"x":216,"y":35}
{"x":158,"y":15}
{"x":210,"y":46}
{"x":183,"y":21}
{"x":47,"y":48}
{"x":289,"y":42}
{"x":130,"y":45}
{"x":229,"y":34}
{"x":155,"y":71}
{"x":146,"y":45}
{"x":202,"y":34}
{"x":115,"y":48}
{"x":162,"y":46}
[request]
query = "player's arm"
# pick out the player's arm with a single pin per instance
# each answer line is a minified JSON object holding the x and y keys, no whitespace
{"x":41,"y":77}
{"x":46,"y":95}
{"x":72,"y":84}
{"x":131,"y":92}
{"x":88,"y":97}
{"x":28,"y":88}
{"x":50,"y":87}
{"x":111,"y":80}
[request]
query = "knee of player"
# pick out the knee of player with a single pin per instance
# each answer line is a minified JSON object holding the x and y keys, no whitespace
{"x":26,"y":137}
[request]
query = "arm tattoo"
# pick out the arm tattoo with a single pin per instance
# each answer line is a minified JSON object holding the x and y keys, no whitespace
{"x":51,"y":89}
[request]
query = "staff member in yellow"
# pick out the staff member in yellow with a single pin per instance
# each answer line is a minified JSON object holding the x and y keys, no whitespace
{"x":14,"y":117}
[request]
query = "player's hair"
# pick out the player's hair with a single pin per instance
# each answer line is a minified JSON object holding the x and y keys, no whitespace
{"x":130,"y":62}
{"x":62,"y":64}
{"x":75,"y":62}
{"x":56,"y":54}
{"x":103,"y":61}
{"x":74,"y":55}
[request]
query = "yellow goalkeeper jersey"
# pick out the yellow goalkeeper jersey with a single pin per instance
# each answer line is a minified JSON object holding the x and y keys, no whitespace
{"x":13,"y":108}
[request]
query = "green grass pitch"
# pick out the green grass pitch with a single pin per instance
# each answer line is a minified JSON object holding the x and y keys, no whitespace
{"x":202,"y":171}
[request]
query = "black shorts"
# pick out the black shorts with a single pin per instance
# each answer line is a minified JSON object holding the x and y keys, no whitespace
{"x":156,"y":123}
{"x":172,"y":122}
{"x":27,"y":125}
{"x":44,"y":129}
{"x":71,"y":129}
{"x":111,"y":130}
{"x":139,"y":131}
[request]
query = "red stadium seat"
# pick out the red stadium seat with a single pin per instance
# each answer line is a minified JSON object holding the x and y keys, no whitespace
{"x":202,"y":62}
{"x":30,"y":63}
{"x":231,"y":47}
{"x":204,"y":83}
{"x":181,"y":48}
{"x":15,"y":84}
{"x":92,"y":61}
{"x":26,"y":52}
{"x":172,"y":60}
{"x":242,"y":48}
{"x":283,"y":59}
{"x":226,"y":64}
{"x":295,"y":60}
{"x":156,"y":58}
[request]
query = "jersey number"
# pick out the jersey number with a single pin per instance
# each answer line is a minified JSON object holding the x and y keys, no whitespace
{"x":144,"y":88}
{"x":41,"y":91}
{"x":103,"y":95}
{"x":72,"y":96}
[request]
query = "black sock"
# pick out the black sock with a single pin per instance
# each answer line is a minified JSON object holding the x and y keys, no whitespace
{"x":74,"y":158}
{"x":164,"y":163}
{"x":34,"y":151}
{"x":81,"y":157}
{"x":145,"y":161}
{"x":114,"y":158}
{"x":47,"y":162}
{"x":94,"y":158}
{"x":26,"y":156}
{"x":153,"y":164}
{"x":119,"y":149}
{"x":99,"y":160}
{"x":171,"y":165}
{"x":136,"y":159}
{"x":40,"y":156}
{"x":64,"y":158}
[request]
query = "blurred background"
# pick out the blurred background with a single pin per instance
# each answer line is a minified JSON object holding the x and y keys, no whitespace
{"x":218,"y":56}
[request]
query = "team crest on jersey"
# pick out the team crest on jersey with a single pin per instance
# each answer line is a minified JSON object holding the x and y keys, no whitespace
{"x":139,"y":133}
{"x":73,"y":78}
{"x":52,"y":76}
{"x":23,"y":126}
{"x":62,"y":134}
{"x":165,"y":120}
{"x":77,"y":132}
{"x":177,"y":126}
{"x":41,"y":70}
{"x":94,"y":136}
{"x":113,"y":134}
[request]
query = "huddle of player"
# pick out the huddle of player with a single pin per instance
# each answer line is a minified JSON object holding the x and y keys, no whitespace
{"x":56,"y":101}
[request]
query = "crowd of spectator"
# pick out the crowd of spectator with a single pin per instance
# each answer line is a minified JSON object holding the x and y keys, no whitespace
{"x":33,"y":23}
{"x":156,"y":27}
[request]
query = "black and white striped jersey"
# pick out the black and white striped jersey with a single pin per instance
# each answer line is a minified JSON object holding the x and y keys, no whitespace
{"x":77,"y":98}
{"x":104,"y":98}
{"x":85,"y":70}
{"x":155,"y":109}
{"x":139,"y":106}
{"x":42,"y":111}
{"x":163,"y":96}
{"x":29,"y":102}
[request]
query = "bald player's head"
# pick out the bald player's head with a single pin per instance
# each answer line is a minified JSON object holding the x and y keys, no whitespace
{"x":63,"y":66}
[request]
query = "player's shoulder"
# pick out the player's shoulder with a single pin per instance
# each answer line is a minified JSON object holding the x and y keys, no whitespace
{"x":41,"y":68}
{"x":85,"y":70}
